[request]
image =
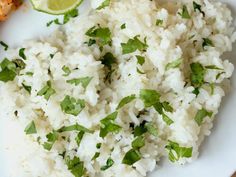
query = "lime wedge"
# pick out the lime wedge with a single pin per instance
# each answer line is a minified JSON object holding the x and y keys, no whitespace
{"x":55,"y":7}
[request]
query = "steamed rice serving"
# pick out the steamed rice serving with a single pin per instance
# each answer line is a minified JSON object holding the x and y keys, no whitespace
{"x":117,"y":88}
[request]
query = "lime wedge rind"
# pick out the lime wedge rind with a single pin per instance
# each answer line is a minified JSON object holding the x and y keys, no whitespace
{"x":41,"y":6}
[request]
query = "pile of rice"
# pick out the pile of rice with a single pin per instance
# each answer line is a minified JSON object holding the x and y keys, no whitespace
{"x":168,"y":37}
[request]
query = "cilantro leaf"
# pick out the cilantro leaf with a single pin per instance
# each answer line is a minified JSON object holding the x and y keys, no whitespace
{"x":176,"y":151}
{"x":96,"y":155}
{"x":167,"y":120}
{"x":75,"y":166}
{"x":138,"y":143}
{"x":5,"y":46}
{"x":70,"y":105}
{"x":159,"y":22}
{"x":140,"y":130}
{"x":103,"y":35}
{"x":167,"y":107}
{"x":149,"y":97}
{"x":140,"y":59}
{"x":84,"y":81}
{"x":123,"y":26}
{"x":66,"y":70}
{"x":151,"y":128}
{"x":30,"y":128}
{"x":47,"y":91}
{"x":104,"y":4}
{"x":125,"y":101}
{"x":51,"y":139}
{"x":197,"y":74}
{"x":71,"y":14}
{"x":201,"y":114}
{"x":109,"y":163}
{"x":108,"y":59}
{"x":22,"y":53}
{"x":79,"y":137}
{"x":174,"y":64}
{"x":213,"y":67}
{"x":27,"y":88}
{"x":198,"y":7}
{"x":75,"y":127}
{"x":207,"y":42}
{"x":132,"y":45}
{"x":131,"y":157}
{"x":108,"y":126}
{"x":185,"y":14}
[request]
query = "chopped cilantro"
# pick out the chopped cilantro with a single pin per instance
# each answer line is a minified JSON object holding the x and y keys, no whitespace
{"x":52,"y":55}
{"x":98,"y":146}
{"x":176,"y":151}
{"x":104,"y":4}
{"x":151,"y":128}
{"x":30,"y":128}
{"x":108,"y":59}
{"x":201,"y":114}
{"x":149,"y":97}
{"x":75,"y":127}
{"x":167,"y":107}
{"x":22,"y":53}
{"x":197,"y":74}
{"x":108,"y":126}
{"x":198,"y":7}
{"x":159,"y":22}
{"x":125,"y":101}
{"x":219,"y":74}
{"x":167,"y":120}
{"x":70,"y":105}
{"x":29,"y":73}
{"x":47,"y":91}
{"x":138,"y":143}
{"x":103,"y":35}
{"x":140,"y":72}
{"x":90,"y":42}
{"x":75,"y":166}
{"x":123,"y":26}
{"x":66,"y":70}
{"x":174,"y":64}
{"x":84,"y":81}
{"x":27,"y":88}
{"x":213,"y":67}
{"x":71,"y":14}
{"x":5,"y":46}
{"x":131,"y":157}
{"x":51,"y":139}
{"x":96,"y":155}
{"x":140,"y":130}
{"x":140,"y":59}
{"x":79,"y":137}
{"x":133,"y":44}
{"x":185,"y":14}
{"x":207,"y":42}
{"x":109,"y":163}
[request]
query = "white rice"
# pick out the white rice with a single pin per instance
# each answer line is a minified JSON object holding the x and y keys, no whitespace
{"x":166,"y":43}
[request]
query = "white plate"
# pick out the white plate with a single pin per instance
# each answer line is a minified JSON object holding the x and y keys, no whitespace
{"x":218,"y":152}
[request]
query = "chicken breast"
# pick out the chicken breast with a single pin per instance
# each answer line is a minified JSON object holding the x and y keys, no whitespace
{"x":6,"y":6}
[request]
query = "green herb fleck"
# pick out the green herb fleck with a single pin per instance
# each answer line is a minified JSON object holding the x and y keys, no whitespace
{"x":207,"y":42}
{"x":70,"y":105}
{"x":103,"y":35}
{"x":75,"y":166}
{"x":27,"y":88}
{"x":185,"y":14}
{"x":66,"y":70}
{"x":149,"y":97}
{"x":141,"y":59}
{"x":174,"y":64}
{"x":104,"y":4}
{"x":131,"y":157}
{"x":125,"y":101}
{"x":96,"y":155}
{"x":108,"y":59}
{"x":151,"y":128}
{"x":79,"y":137}
{"x":30,"y":128}
{"x":201,"y":114}
{"x":138,"y":143}
{"x":176,"y":151}
{"x":197,"y":74}
{"x":213,"y":67}
{"x":71,"y":14}
{"x":196,"y":7}
{"x":5,"y":46}
{"x":98,"y":146}
{"x":51,"y":139}
{"x":47,"y":91}
{"x":109,"y":163}
{"x":123,"y":26}
{"x":22,"y":53}
{"x":133,"y":44}
{"x":75,"y":127}
{"x":84,"y":81}
{"x":159,"y":22}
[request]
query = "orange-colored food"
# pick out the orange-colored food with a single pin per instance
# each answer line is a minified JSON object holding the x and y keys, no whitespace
{"x":6,"y":6}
